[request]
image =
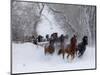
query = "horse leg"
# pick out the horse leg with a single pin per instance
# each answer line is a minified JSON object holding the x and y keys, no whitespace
{"x":52,"y":50}
{"x":76,"y":52}
{"x":68,"y":56}
{"x":59,"y":52}
{"x":73,"y":56}
{"x":63,"y":54}
{"x":80,"y":53}
{"x":45,"y":52}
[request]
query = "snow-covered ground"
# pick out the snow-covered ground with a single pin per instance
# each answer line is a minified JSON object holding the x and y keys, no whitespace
{"x":28,"y":57}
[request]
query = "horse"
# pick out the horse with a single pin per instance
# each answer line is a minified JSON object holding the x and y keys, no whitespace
{"x":61,"y":38}
{"x":71,"y":49}
{"x":82,"y":46}
{"x":47,"y":37}
{"x":54,"y":36}
{"x":50,"y":48}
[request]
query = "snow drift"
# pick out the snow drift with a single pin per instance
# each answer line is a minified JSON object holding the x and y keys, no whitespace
{"x":28,"y":57}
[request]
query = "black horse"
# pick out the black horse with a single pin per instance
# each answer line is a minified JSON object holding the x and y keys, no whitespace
{"x":61,"y":38}
{"x":54,"y":36}
{"x":82,"y":46}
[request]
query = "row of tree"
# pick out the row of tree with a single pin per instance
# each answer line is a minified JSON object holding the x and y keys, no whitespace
{"x":73,"y":19}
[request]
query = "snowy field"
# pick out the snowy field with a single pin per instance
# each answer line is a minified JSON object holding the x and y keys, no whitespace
{"x":28,"y":57}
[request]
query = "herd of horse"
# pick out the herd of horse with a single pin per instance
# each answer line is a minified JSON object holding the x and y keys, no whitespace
{"x":72,"y":49}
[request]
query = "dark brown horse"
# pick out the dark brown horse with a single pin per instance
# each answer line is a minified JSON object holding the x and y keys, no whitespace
{"x":50,"y":48}
{"x":71,"y":49}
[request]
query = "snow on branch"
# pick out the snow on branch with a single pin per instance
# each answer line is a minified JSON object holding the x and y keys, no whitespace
{"x":67,"y":22}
